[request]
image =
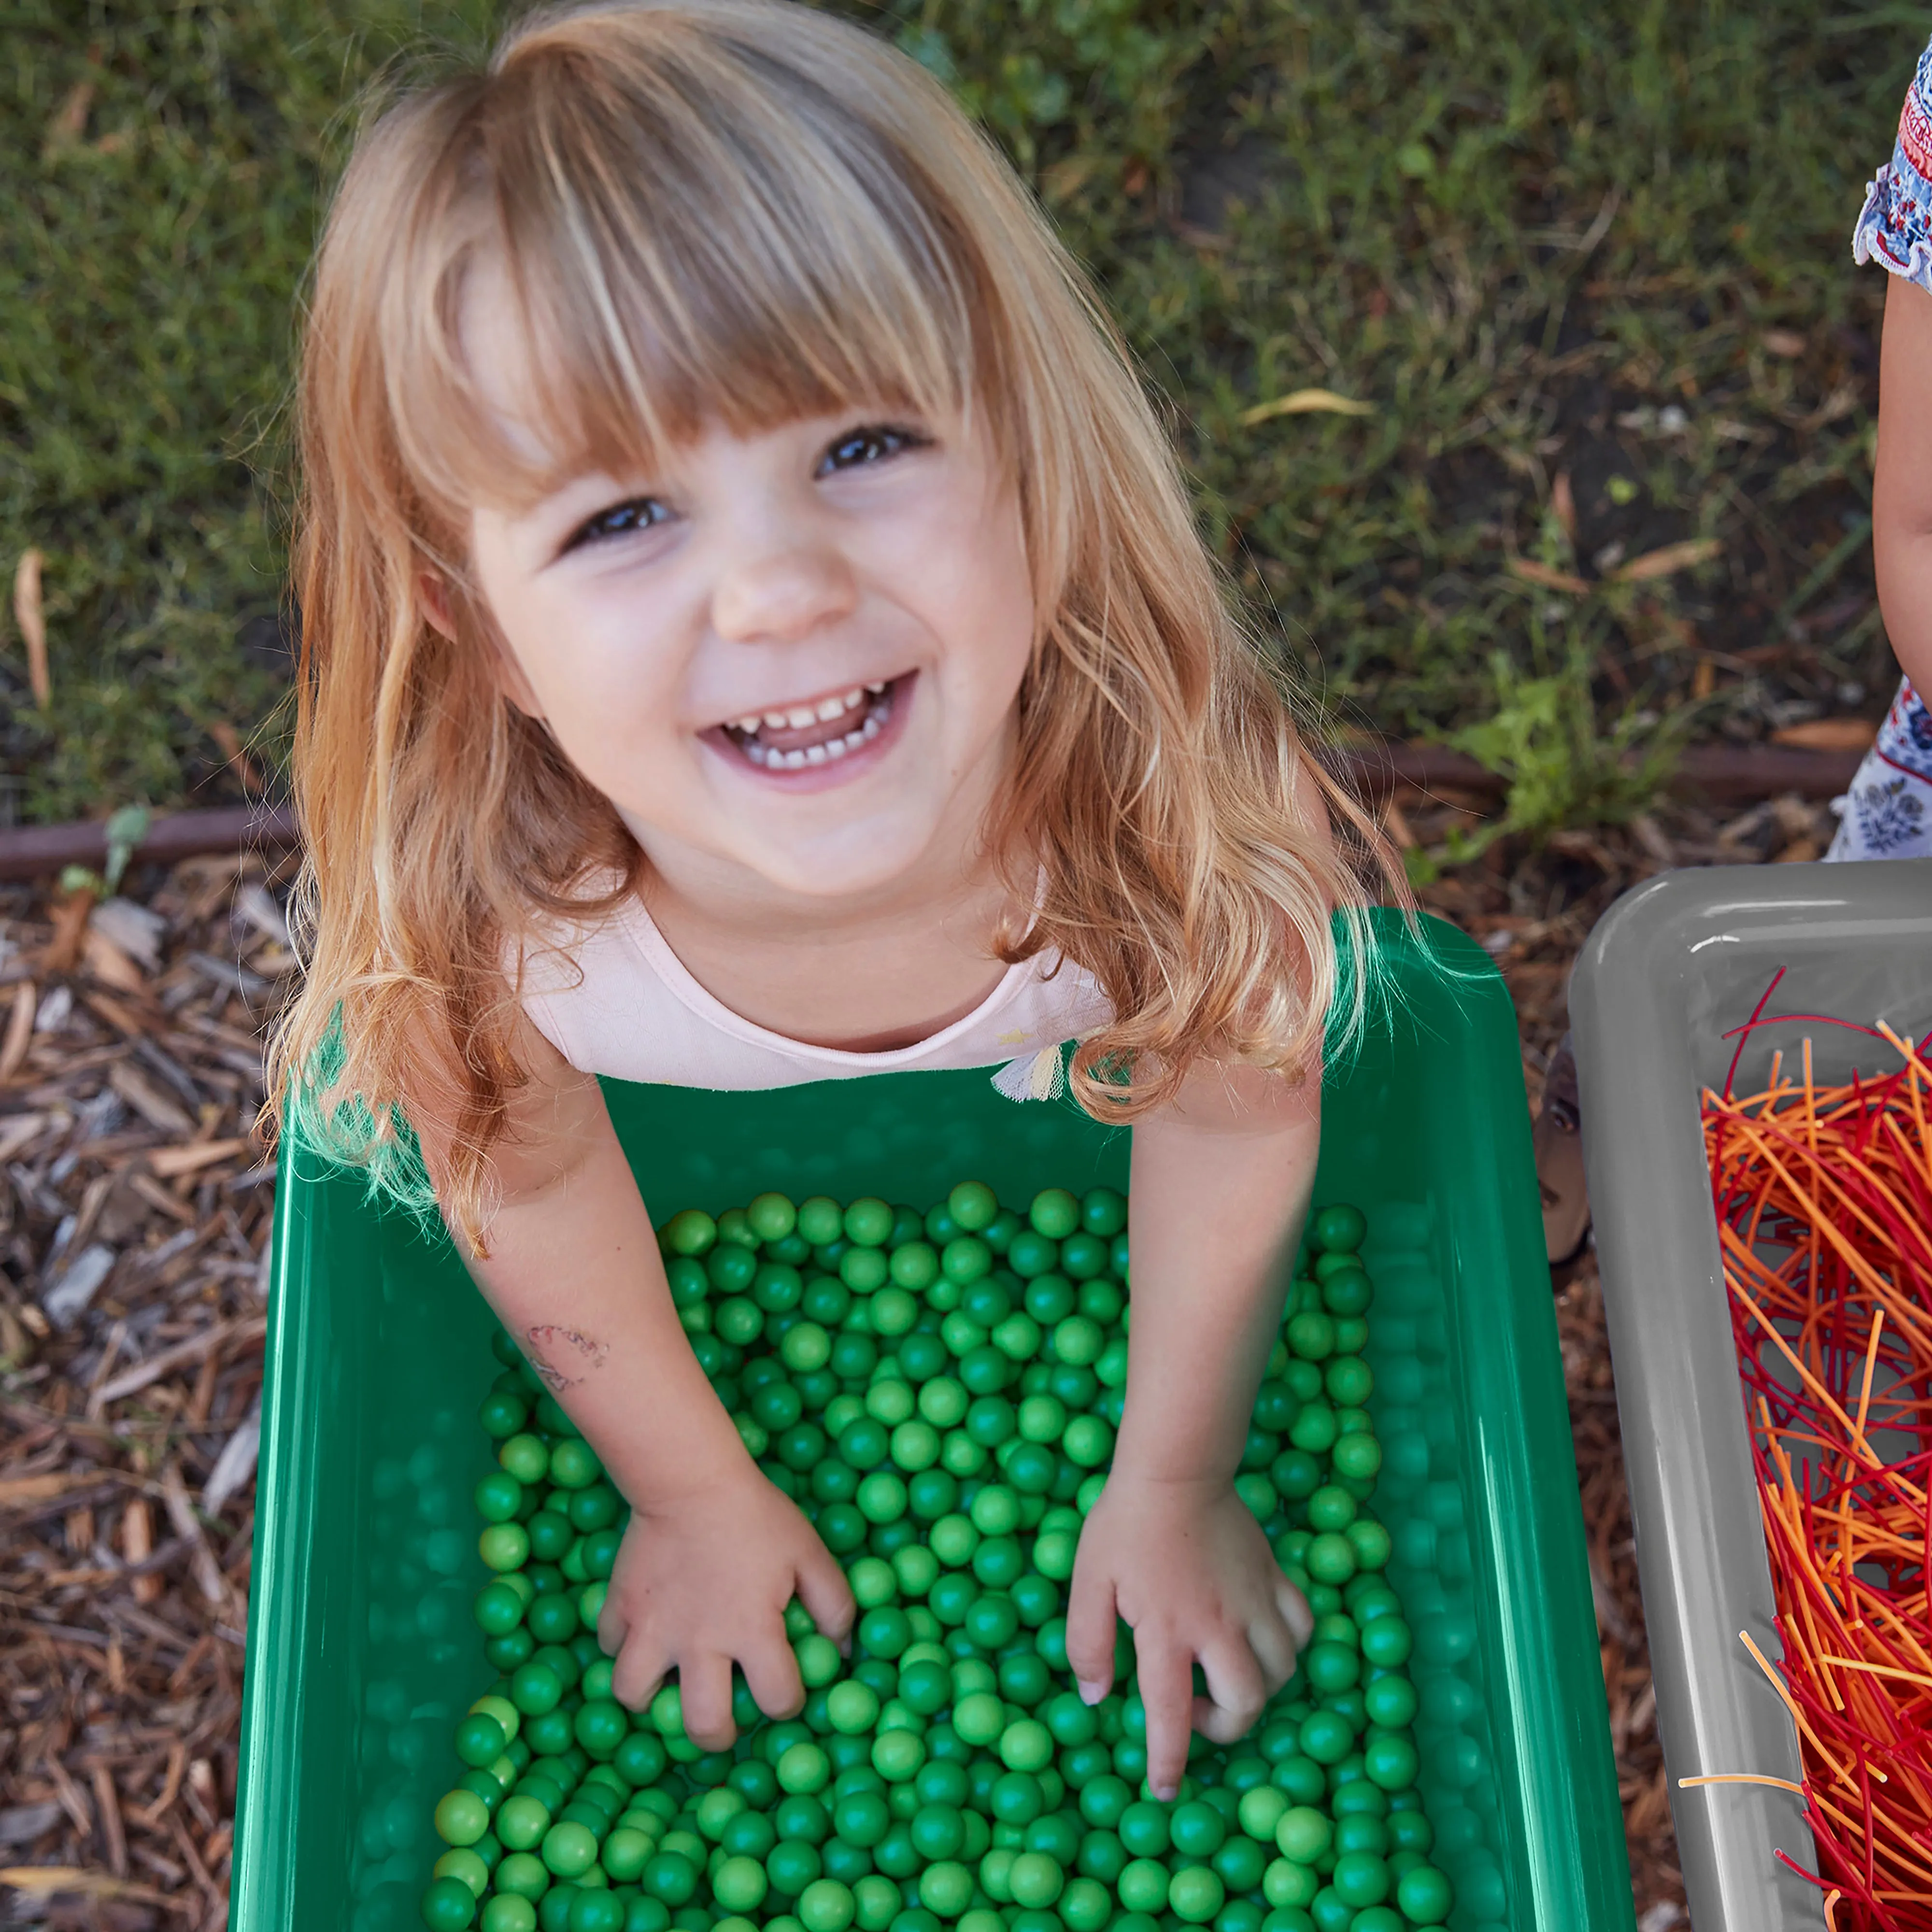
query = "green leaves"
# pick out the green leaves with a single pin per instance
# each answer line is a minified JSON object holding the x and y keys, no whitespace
{"x":1105,"y":71}
{"x":1563,"y":770}
{"x":125,"y":829}
{"x":928,"y":46}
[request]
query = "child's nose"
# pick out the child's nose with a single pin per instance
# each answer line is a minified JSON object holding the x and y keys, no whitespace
{"x":779,"y":593}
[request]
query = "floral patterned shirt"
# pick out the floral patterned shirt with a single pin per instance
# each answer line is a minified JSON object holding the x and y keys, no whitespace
{"x":1887,"y":812}
{"x":1895,"y":227}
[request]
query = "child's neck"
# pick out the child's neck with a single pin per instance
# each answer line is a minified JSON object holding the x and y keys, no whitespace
{"x":863,"y":976}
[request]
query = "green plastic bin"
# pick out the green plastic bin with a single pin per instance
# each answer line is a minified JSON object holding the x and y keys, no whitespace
{"x":362,"y":1651}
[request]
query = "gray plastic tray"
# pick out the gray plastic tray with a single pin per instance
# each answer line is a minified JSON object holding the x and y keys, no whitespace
{"x":1670,"y":968}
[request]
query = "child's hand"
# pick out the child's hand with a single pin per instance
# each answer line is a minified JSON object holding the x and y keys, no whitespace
{"x":701,"y":1583}
{"x":1187,"y":1565}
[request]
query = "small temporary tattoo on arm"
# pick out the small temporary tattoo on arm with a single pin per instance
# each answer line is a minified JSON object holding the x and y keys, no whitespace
{"x":556,"y":1341}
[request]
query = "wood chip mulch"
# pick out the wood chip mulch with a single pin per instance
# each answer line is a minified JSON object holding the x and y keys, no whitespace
{"x":134,"y":1212}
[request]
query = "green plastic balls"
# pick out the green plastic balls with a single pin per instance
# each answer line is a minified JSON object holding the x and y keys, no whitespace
{"x":939,"y":1393}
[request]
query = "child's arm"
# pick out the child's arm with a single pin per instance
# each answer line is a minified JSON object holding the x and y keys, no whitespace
{"x":1902,"y":483}
{"x":714,"y":1552}
{"x":1221,"y":1183}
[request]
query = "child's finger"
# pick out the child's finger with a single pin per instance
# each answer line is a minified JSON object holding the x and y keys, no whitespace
{"x":771,"y":1676}
{"x":823,"y":1591}
{"x":1275,"y":1649}
{"x":1294,"y":1608}
{"x":704,"y":1684}
{"x":1090,"y":1617}
{"x":1165,"y":1672}
{"x":613,"y":1627}
{"x":639,"y":1671}
{"x":1236,"y":1691}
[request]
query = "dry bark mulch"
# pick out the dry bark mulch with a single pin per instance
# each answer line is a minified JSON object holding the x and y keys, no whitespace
{"x":134,"y":1213}
{"x":134,"y":1210}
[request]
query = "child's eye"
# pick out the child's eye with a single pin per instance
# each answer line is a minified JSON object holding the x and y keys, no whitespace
{"x":638,"y":513}
{"x":870,"y":443}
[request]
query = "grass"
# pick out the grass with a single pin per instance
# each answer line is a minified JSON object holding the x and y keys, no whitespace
{"x":1588,"y":267}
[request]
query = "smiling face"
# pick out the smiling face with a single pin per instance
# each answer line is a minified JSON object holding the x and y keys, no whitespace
{"x":791,"y":659}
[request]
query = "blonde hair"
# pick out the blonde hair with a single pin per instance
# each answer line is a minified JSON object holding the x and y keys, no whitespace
{"x":750,"y":211}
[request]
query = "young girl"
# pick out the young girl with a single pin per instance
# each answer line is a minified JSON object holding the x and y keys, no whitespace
{"x":1888,"y":812}
{"x":754,"y":633}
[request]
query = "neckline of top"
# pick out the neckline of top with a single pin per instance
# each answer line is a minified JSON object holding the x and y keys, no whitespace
{"x":691,"y":993}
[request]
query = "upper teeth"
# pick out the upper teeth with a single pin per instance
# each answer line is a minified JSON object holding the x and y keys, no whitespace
{"x":798,"y":716}
{"x":759,"y":753}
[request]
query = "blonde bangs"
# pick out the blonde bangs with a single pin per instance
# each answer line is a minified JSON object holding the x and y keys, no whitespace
{"x":807,"y":268}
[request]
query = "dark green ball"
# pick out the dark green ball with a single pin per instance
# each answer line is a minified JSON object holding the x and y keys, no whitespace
{"x":1340,"y":1229}
{"x":503,"y":1413}
{"x":1347,"y":1292}
{"x":448,"y":1905}
{"x":1054,"y":1213}
{"x":973,"y":1206}
{"x":1032,"y":1253}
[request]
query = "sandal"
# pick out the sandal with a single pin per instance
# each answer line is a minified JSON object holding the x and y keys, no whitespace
{"x":1557,"y":1138}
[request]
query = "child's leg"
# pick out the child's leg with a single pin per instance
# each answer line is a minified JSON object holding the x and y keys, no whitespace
{"x":1557,"y":1139}
{"x":1887,"y":813}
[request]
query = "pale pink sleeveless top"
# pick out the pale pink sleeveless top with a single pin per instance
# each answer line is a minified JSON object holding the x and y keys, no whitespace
{"x":637,"y":1014}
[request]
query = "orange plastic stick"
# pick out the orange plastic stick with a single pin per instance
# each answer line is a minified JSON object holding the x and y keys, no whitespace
{"x":1824,"y":1200}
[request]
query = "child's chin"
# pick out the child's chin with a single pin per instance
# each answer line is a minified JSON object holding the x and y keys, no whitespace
{"x":840,"y":869}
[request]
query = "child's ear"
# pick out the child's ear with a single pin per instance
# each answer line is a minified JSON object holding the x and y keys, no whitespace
{"x":434,"y":593}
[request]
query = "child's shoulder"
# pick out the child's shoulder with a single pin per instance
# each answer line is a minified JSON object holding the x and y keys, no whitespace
{"x":1894,"y":226}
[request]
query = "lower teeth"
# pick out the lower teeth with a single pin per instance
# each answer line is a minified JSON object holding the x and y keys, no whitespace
{"x":821,"y":755}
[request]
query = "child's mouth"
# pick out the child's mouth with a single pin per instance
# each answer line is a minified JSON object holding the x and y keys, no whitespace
{"x":812,"y":737}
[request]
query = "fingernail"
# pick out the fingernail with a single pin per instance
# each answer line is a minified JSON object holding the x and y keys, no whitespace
{"x":1092,"y":1690}
{"x":1167,"y":1793}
